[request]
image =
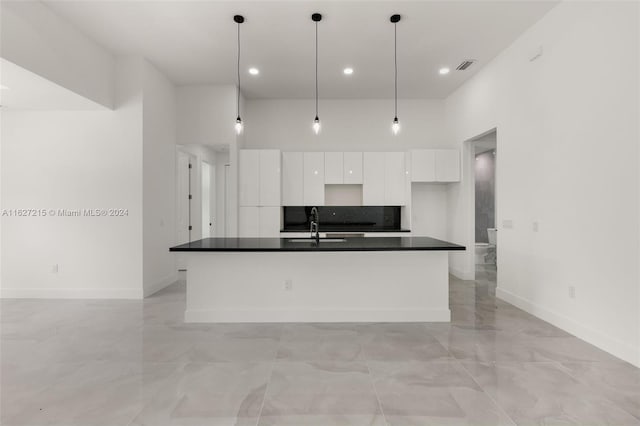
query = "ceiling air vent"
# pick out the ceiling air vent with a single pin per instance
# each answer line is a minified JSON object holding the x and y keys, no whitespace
{"x":465,"y":64}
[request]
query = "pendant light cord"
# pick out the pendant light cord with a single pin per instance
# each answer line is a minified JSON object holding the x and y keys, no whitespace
{"x":395,"y":63}
{"x":238,"y":70}
{"x":316,"y":69}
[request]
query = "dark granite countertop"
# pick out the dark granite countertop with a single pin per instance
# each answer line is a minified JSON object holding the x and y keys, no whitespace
{"x":345,"y":229}
{"x":286,"y":245}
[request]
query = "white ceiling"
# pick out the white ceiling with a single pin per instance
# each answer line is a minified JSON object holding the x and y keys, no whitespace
{"x":194,"y":42}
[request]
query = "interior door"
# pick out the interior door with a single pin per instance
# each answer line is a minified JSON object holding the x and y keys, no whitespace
{"x":208,"y":199}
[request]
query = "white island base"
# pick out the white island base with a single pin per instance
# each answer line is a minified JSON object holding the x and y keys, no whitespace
{"x":344,"y":286}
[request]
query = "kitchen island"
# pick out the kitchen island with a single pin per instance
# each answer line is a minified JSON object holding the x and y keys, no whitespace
{"x":352,"y":279}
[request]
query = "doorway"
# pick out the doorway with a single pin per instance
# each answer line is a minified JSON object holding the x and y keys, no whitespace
{"x":184,"y":202}
{"x":208,"y":197}
{"x":184,"y":168}
{"x":483,"y":150}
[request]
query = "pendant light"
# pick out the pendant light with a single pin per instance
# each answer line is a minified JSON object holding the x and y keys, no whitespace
{"x":316,"y":17}
{"x":238,"y":19}
{"x":395,"y":126}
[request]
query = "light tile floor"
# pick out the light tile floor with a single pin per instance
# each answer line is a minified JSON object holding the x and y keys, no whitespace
{"x":136,"y":363}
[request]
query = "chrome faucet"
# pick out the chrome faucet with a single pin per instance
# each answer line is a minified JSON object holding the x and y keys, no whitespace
{"x":315,"y":224}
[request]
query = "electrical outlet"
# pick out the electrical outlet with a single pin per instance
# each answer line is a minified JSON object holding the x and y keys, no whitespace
{"x":572,"y":292}
{"x":507,"y":224}
{"x":535,"y":226}
{"x":54,"y":269}
{"x":288,"y":285}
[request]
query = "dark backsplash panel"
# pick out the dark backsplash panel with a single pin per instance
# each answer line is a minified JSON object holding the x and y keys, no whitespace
{"x":337,"y":218}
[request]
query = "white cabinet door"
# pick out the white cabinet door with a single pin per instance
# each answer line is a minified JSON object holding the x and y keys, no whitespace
{"x":313,"y":178}
{"x":292,"y":179}
{"x":373,"y":184}
{"x":352,"y":170}
{"x":395,"y":178}
{"x":249,"y":179}
{"x":248,"y":222}
{"x":447,"y":165}
{"x":269,"y":180}
{"x":333,"y":167}
{"x":269,"y":222}
{"x":423,"y":165}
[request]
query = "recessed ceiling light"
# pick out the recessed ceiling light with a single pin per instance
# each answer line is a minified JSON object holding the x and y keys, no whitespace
{"x":254,"y":71}
{"x":348,"y":71}
{"x":444,"y":71}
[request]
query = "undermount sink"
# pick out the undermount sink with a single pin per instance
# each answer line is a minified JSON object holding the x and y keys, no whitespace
{"x":322,"y":240}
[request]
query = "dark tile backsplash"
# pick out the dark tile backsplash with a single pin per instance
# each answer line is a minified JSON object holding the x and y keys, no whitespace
{"x":334,"y":218}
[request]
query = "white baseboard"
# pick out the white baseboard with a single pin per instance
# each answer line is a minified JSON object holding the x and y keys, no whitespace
{"x":615,"y":347}
{"x":156,"y":287}
{"x":320,"y":315}
{"x":71,"y":293}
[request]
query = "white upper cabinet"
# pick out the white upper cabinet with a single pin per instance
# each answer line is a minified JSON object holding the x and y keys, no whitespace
{"x":423,"y":165}
{"x":313,"y":178}
{"x":269,"y":193}
{"x":352,"y":169}
{"x":342,"y":167}
{"x":447,"y":165}
{"x":292,"y":179}
{"x":385,"y":179}
{"x":259,"y":177}
{"x":333,"y":168}
{"x":395,"y":178}
{"x":435,"y":165}
{"x":373,"y":185}
{"x":249,"y":177}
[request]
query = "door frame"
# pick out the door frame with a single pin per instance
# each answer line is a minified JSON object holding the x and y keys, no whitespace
{"x":468,"y":161}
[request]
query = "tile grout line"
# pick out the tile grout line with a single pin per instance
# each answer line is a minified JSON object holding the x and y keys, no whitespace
{"x":266,"y":389}
{"x":375,"y":391}
{"x":273,"y":367}
{"x":487,"y":393}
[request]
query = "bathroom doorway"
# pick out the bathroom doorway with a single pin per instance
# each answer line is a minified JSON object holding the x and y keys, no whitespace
{"x":485,"y":156}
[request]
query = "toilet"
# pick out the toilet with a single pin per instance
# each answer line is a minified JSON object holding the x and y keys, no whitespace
{"x":486,"y":252}
{"x":482,"y":250}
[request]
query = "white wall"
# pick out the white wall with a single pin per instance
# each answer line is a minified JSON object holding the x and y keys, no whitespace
{"x":35,"y":38}
{"x":158,"y":195}
{"x":568,"y":159}
{"x":429,"y":216}
{"x":347,"y":124}
{"x":206,"y":115}
{"x":74,"y":160}
{"x":123,"y":159}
